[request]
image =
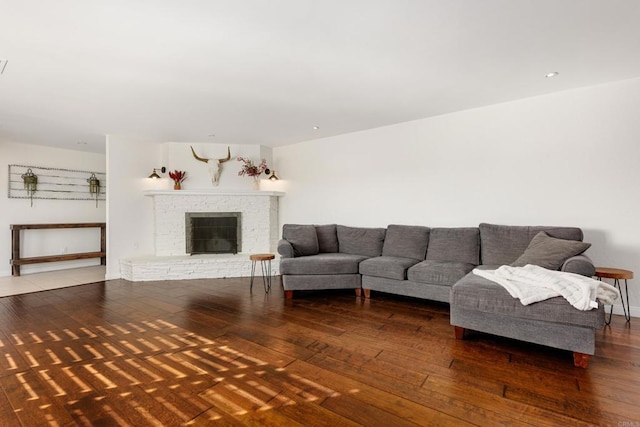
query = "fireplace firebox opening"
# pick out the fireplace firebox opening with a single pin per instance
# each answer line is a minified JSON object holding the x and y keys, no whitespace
{"x":213,"y":232}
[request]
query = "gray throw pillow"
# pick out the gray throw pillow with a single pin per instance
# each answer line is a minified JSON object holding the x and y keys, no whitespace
{"x":549,"y":252}
{"x":303,"y":238}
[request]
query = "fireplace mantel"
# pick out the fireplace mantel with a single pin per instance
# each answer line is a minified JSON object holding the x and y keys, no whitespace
{"x":260,"y":231}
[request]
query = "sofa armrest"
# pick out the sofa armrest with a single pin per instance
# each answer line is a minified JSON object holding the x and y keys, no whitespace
{"x":579,"y":264}
{"x":285,"y":249}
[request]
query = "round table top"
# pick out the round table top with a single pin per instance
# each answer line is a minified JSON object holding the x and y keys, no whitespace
{"x":261,"y":257}
{"x":613,"y":273}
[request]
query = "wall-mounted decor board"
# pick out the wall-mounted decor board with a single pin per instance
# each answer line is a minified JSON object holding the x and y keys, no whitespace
{"x":55,"y":183}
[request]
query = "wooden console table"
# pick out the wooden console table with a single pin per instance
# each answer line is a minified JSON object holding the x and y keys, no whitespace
{"x":17,"y":261}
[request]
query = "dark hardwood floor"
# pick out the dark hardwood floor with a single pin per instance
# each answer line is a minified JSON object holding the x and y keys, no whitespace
{"x":207,"y":352}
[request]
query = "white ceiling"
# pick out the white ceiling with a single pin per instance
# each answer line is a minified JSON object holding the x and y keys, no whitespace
{"x":266,"y":72}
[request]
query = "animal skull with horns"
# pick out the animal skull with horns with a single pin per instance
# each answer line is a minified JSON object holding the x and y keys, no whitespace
{"x":214,"y":165}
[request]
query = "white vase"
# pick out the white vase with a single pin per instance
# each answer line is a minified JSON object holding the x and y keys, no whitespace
{"x":256,"y":184}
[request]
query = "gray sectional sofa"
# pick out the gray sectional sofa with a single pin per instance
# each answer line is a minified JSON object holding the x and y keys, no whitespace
{"x":437,"y":264}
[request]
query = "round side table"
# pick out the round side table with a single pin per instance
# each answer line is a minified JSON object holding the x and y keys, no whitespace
{"x":265,"y":264}
{"x":617,"y":274}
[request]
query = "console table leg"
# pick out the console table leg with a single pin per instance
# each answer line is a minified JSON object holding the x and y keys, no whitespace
{"x":15,"y":251}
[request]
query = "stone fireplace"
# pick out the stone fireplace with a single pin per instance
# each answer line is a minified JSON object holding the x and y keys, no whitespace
{"x":258,"y":232}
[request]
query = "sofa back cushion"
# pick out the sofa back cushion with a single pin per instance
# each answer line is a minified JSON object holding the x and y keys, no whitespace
{"x":327,"y":238}
{"x":461,"y":244}
{"x":406,"y":241}
{"x":503,"y":244}
{"x":303,"y":238}
{"x":360,"y":241}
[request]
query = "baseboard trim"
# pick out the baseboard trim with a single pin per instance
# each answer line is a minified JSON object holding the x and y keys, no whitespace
{"x":26,"y":270}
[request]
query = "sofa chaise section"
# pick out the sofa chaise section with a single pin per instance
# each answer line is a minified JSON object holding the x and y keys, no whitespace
{"x":481,"y":305}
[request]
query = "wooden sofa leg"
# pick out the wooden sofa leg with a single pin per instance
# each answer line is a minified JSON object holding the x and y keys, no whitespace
{"x":358,"y":292}
{"x":288,"y":294}
{"x":581,"y":360}
{"x":458,"y":332}
{"x":367,"y":293}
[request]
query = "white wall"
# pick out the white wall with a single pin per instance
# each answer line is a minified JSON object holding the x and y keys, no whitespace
{"x":129,"y":212}
{"x":569,"y":158}
{"x":130,"y":161}
{"x":18,"y":211}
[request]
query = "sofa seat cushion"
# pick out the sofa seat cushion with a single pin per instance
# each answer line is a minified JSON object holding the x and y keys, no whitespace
{"x":389,"y":267}
{"x":444,"y":273}
{"x":479,"y":294}
{"x":322,"y":264}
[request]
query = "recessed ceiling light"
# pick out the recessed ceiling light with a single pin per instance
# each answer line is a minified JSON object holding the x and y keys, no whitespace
{"x":211,"y":135}
{"x":81,"y":142}
{"x":316,"y":127}
{"x":552,"y":74}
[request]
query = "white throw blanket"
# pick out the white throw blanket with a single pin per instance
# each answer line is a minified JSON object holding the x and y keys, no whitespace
{"x":532,"y":284}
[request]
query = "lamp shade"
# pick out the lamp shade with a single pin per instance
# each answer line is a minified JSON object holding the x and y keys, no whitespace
{"x":155,"y":175}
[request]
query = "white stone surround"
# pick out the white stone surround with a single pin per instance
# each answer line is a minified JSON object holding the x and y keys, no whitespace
{"x":260,"y":233}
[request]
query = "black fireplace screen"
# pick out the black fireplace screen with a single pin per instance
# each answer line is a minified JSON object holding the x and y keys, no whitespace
{"x":213,"y":233}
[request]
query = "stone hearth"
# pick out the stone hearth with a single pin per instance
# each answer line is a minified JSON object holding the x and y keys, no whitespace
{"x":260,"y":232}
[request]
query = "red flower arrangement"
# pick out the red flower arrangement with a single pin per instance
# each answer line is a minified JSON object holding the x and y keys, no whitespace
{"x":177,"y":177}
